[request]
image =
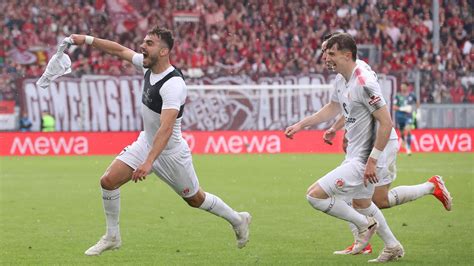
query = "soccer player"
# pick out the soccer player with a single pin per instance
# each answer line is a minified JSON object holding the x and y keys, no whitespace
{"x":160,"y":147}
{"x":404,"y":105}
{"x":368,"y":130}
{"x":383,"y":197}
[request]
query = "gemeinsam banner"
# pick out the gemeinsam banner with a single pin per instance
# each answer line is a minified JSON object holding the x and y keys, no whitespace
{"x":107,"y":103}
{"x":215,"y":142}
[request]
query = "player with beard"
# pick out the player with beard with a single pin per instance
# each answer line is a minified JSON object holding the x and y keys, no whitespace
{"x":160,"y":147}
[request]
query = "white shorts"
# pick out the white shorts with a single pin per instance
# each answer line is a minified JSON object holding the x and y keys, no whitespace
{"x":387,"y":164}
{"x":347,"y":181}
{"x":174,"y":167}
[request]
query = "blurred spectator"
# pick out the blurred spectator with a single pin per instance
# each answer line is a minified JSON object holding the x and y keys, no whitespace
{"x":241,"y":37}
{"x":457,"y":92}
{"x":25,"y":122}
{"x":48,"y":123}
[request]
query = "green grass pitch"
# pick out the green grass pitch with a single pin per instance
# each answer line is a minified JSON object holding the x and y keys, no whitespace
{"x":51,"y":212}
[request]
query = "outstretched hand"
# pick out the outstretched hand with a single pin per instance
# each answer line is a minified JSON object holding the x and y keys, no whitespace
{"x":292,"y":130}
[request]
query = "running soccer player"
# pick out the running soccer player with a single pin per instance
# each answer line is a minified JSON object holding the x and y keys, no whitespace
{"x":359,"y":98}
{"x":160,"y":147}
{"x":383,"y":197}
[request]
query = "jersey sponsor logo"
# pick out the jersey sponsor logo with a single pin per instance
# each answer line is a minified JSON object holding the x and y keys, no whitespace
{"x":374,"y":99}
{"x":351,"y":120}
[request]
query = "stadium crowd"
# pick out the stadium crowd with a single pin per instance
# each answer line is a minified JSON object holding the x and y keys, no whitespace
{"x":252,"y":37}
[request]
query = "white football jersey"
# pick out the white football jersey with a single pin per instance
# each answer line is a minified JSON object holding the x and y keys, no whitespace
{"x":363,"y":64}
{"x":358,"y":98}
{"x":172,"y":95}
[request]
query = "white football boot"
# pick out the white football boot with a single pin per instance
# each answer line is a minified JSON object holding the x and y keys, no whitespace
{"x":364,"y":236}
{"x":104,"y":244}
{"x":242,"y":230}
{"x":390,"y":254}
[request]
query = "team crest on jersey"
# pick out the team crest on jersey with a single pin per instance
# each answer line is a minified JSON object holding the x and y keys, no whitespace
{"x":185,"y":191}
{"x":339,"y":183}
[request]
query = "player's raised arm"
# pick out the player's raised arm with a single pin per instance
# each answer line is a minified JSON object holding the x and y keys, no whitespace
{"x":328,"y":112}
{"x":107,"y":46}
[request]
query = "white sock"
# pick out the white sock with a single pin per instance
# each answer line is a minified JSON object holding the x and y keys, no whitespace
{"x":215,"y":205}
{"x":339,"y":209}
{"x":383,"y":230}
{"x":404,"y":194}
{"x":111,"y":200}
{"x":352,"y":226}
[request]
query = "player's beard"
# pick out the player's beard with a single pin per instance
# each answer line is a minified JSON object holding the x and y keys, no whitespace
{"x":150,"y":61}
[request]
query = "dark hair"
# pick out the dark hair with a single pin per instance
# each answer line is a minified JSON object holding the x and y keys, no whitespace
{"x":329,"y":35}
{"x":344,"y":41}
{"x":164,"y":34}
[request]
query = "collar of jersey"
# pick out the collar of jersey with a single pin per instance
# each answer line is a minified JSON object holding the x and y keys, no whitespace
{"x":352,"y":76}
{"x":162,"y":74}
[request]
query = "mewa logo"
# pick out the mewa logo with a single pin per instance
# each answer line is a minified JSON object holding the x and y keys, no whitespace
{"x":243,"y":144}
{"x":49,"y":145}
{"x":432,"y":142}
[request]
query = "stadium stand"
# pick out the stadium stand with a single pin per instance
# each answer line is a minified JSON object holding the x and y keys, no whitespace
{"x":254,"y":37}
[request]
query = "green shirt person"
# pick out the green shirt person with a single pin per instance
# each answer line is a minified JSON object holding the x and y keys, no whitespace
{"x":48,"y":123}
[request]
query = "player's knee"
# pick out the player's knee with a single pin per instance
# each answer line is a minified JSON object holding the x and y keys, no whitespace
{"x":381,"y":203}
{"x":316,"y":191}
{"x":361,"y":203}
{"x":107,"y":182}
{"x":195,"y":201}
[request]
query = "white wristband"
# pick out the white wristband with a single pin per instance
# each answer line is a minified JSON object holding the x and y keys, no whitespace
{"x":375,"y":154}
{"x":89,"y":39}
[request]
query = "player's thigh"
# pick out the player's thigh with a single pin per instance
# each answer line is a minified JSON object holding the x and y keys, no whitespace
{"x":178,"y":172}
{"x":135,"y":154}
{"x":346,"y":181}
{"x":121,"y":169}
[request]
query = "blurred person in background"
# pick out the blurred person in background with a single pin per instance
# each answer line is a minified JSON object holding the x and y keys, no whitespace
{"x":48,"y":123}
{"x":25,"y":122}
{"x":405,"y":104}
